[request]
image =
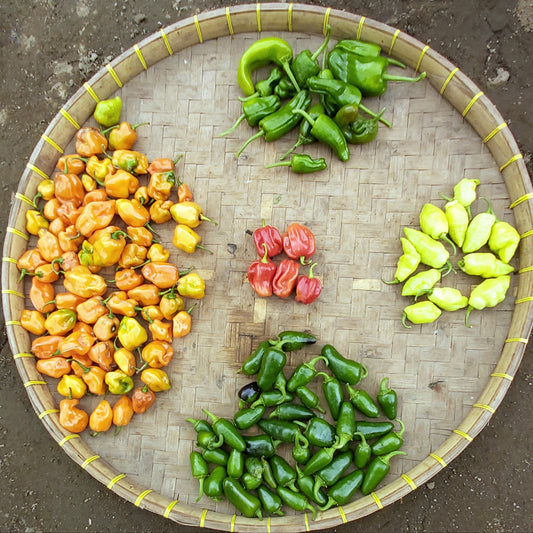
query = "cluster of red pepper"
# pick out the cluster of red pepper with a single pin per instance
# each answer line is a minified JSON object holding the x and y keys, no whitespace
{"x":92,"y":231}
{"x":267,"y":278}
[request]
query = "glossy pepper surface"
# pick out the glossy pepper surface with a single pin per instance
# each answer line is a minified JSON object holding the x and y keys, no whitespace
{"x":191,"y":285}
{"x":478,"y":231}
{"x":248,"y":417}
{"x":308,"y":288}
{"x":55,"y":367}
{"x":407,"y":263}
{"x":465,"y":192}
{"x":356,"y":128}
{"x":302,"y":164}
{"x":199,"y":470}
{"x":421,"y":313}
{"x":296,"y":500}
{"x":118,"y":382}
{"x":270,"y":237}
{"x":90,"y":141}
{"x":363,"y":402}
{"x":101,"y":418}
{"x":142,"y":399}
{"x":122,"y":411}
{"x":484,"y":264}
{"x":82,"y":282}
{"x":107,"y":112}
{"x":320,"y":432}
{"x":304,"y":373}
{"x":260,"y":445}
{"x":248,"y":504}
{"x":362,"y":451}
{"x":504,"y":240}
{"x":213,"y":483}
{"x":378,"y":468}
{"x":458,"y":219}
{"x":421,"y":282}
{"x":60,"y":322}
{"x":156,"y":379}
{"x":432,"y":253}
{"x":345,"y":370}
{"x":433,"y":222}
{"x":272,"y":363}
{"x":71,"y":386}
{"x":333,"y":392}
{"x":390,"y":442}
{"x":189,"y":213}
{"x":252,"y":363}
{"x":226,"y":431}
{"x":299,"y":242}
{"x":289,"y":411}
{"x":488,"y":293}
{"x":131,"y":334}
{"x":447,"y":298}
{"x":330,"y":474}
{"x":387,"y":399}
{"x":261,"y":273}
{"x":71,"y":417}
{"x":186,"y":239}
{"x":285,"y":278}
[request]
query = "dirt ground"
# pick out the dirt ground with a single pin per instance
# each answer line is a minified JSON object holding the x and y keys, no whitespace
{"x":49,"y":48}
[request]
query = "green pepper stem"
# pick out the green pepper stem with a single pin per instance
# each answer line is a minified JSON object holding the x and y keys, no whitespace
{"x":204,"y":248}
{"x":392,"y":77}
{"x":281,"y":163}
{"x":234,"y":127}
{"x":468,"y":311}
{"x":402,"y":427}
{"x":393,"y":61}
{"x":404,"y":318}
{"x":246,"y":98}
{"x":288,"y":71}
{"x":372,"y":114}
{"x":260,"y":133}
{"x":306,"y":115}
{"x":321,"y":48}
{"x":290,"y":150}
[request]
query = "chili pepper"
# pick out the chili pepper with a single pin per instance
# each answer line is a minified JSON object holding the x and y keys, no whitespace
{"x":301,"y":451}
{"x":200,"y":424}
{"x":156,"y":379}
{"x":118,"y":382}
{"x":372,"y":430}
{"x":332,"y":389}
{"x":32,"y":321}
{"x":107,"y":246}
{"x":271,"y":502}
{"x":60,"y":322}
{"x":127,"y":279}
{"x":283,"y":472}
{"x":160,"y":185}
{"x":157,"y":353}
{"x":344,"y":489}
{"x":71,"y":417}
{"x":271,"y":398}
{"x":254,"y":467}
{"x":390,"y":442}
{"x":123,"y":136}
{"x":55,"y":367}
{"x":107,"y":112}
{"x":90,"y":310}
{"x":248,"y":417}
{"x":261,"y":274}
{"x":249,"y":393}
{"x":421,"y":313}
{"x":125,"y":360}
{"x":213,"y":483}
{"x":345,"y":427}
{"x":132,"y":212}
{"x":235,"y":465}
{"x":432,"y":253}
{"x":328,"y":103}
{"x":260,"y":445}
{"x":101,"y":418}
{"x":35,"y":221}
{"x":122,"y":411}
{"x":320,"y":432}
{"x":369,"y":74}
{"x":433,"y":222}
{"x":191,"y":286}
{"x":298,"y":242}
{"x":162,"y":275}
{"x":140,"y":235}
{"x":260,"y":53}
{"x":98,"y":169}
{"x":488,"y":293}
{"x":189,"y":214}
{"x":68,"y":188}
{"x":209,"y":441}
{"x":484,"y":264}
{"x":265,"y":87}
{"x":161,"y":330}
{"x":355,"y":128}
{"x":248,"y":504}
{"x":285,"y":88}
{"x":309,"y":398}
{"x":89,"y":183}
{"x":407,"y":263}
{"x":225,"y":430}
{"x":302,"y":164}
{"x":304,"y":134}
{"x":343,"y":369}
{"x":71,"y":386}
{"x":217,"y":456}
{"x":503,"y":240}
{"x":291,"y":341}
{"x":90,"y":141}
{"x":130,"y":161}
{"x":48,"y":245}
{"x":295,"y":500}
{"x":291,"y":411}
{"x":330,"y":474}
{"x":95,"y":215}
{"x":46,"y":346}
{"x":362,"y":451}
{"x":255,"y":109}
{"x":277,"y":124}
{"x":478,"y":231}
{"x":304,"y":373}
{"x":70,"y":164}
{"x":285,"y":278}
{"x":131,"y":334}
{"x":421,"y":282}
{"x":308,"y":288}
{"x":363,"y":48}
{"x":340,"y":94}
{"x":377,"y":469}
{"x":77,"y":343}
{"x":305,"y":64}
{"x":119,"y":303}
{"x":387,"y":399}
{"x":319,"y":460}
{"x":30,"y":260}
{"x":267,"y":474}
{"x":160,"y":211}
{"x":447,"y":298}
{"x":252,"y":363}
{"x":82,"y":282}
{"x":465,"y":192}
{"x":187,"y":239}
{"x":199,"y":470}
{"x":267,"y":236}
{"x":306,"y":485}
{"x":142,"y":399}
{"x":272,"y":363}
{"x":458,"y":219}
{"x":250,"y":482}
{"x":121,"y":184}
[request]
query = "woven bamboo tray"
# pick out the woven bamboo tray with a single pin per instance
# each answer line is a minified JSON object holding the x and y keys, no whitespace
{"x":450,"y":379}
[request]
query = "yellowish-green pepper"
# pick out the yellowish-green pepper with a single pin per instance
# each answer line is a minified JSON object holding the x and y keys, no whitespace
{"x":465,"y":192}
{"x":504,"y":240}
{"x":432,"y":253}
{"x":488,"y":293}
{"x":447,"y":298}
{"x":484,"y":264}
{"x":433,"y":222}
{"x":107,"y":112}
{"x":407,"y":263}
{"x":478,"y":231}
{"x":421,"y":282}
{"x":421,"y":313}
{"x":118,"y":382}
{"x":131,"y":334}
{"x":458,"y":219}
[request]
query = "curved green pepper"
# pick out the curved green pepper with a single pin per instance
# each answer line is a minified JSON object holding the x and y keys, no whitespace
{"x":213,"y":483}
{"x":421,"y":282}
{"x":208,"y":440}
{"x":252,"y":363}
{"x":248,"y":504}
{"x":332,"y":389}
{"x":248,"y":417}
{"x":330,"y":474}
{"x":387,"y":399}
{"x":344,"y":489}
{"x":291,"y":411}
{"x":272,"y":363}
{"x":305,"y":64}
{"x":285,"y":88}
{"x":345,"y":425}
{"x":363,"y":402}
{"x":356,"y":128}
{"x":301,"y":451}
{"x":306,"y":485}
{"x":458,"y":219}
{"x":271,"y":502}
{"x":265,"y":87}
{"x":271,"y":398}
{"x":199,"y":470}
{"x":319,"y":460}
{"x":377,"y":469}
{"x":226,"y":431}
{"x":296,"y":500}
{"x":268,"y":475}
{"x":283,"y":472}
{"x":302,"y":164}
{"x":290,"y":341}
{"x":304,"y":135}
{"x":390,"y":442}
{"x":282,"y":430}
{"x":304,"y":373}
{"x":309,"y":398}
{"x":343,"y":369}
{"x":372,"y":430}
{"x":200,"y":425}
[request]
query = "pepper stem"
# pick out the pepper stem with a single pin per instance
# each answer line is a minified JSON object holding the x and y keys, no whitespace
{"x":392,"y":77}
{"x":402,"y":427}
{"x":213,"y":417}
{"x":260,"y":133}
{"x":306,"y":115}
{"x":288,"y":71}
{"x":372,"y":114}
{"x":281,"y":163}
{"x":234,"y":127}
{"x":404,"y":318}
{"x":468,"y":311}
{"x":321,"y":48}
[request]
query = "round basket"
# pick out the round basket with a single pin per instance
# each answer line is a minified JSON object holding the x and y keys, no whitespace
{"x":450,"y":379}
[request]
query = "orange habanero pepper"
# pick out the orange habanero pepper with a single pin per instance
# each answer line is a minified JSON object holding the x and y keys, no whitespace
{"x":29,"y":261}
{"x":157,"y":353}
{"x":56,"y":226}
{"x":132,"y":212}
{"x":82,"y":282}
{"x":158,"y":254}
{"x":55,"y":367}
{"x":69,"y":261}
{"x":170,"y":304}
{"x":145,"y":294}
{"x":90,"y":141}
{"x":162,"y":275}
{"x":47,"y":273}
{"x":71,"y":386}
{"x":46,"y":346}
{"x":48,"y":245}
{"x":90,"y":310}
{"x":140,"y":235}
{"x":184,"y":193}
{"x":60,"y":322}
{"x":181,"y":323}
{"x":41,"y":294}
{"x":151,"y":313}
{"x":122,"y":411}
{"x":133,"y":255}
{"x":98,"y":195}
{"x":161,"y":164}
{"x":119,"y":303}
{"x":160,"y":211}
{"x":71,"y":417}
{"x":33,"y":321}
{"x":160,"y":185}
{"x":95,"y":215}
{"x":121,"y":184}
{"x":50,"y":208}
{"x":123,"y":136}
{"x":95,"y":380}
{"x":161,"y":331}
{"x":128,"y":279}
{"x":130,"y":161}
{"x":99,"y":169}
{"x":77,"y":343}
{"x":68,"y":188}
{"x":67,"y":300}
{"x":71,"y":164}
{"x":125,"y":360}
{"x":68,"y":212}
{"x":106,"y":327}
{"x":101,"y":418}
{"x":102,"y":354}
{"x":142,"y":399}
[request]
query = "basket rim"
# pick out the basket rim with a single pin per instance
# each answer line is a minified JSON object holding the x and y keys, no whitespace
{"x":451,"y":83}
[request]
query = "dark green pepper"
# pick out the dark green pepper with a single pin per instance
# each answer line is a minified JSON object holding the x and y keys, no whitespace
{"x":200,"y":425}
{"x":213,"y":483}
{"x":208,"y":440}
{"x":268,"y":475}
{"x":260,"y":445}
{"x":271,"y":502}
{"x":328,"y":103}
{"x":254,"y":466}
{"x":345,"y":425}
{"x":389,"y":442}
{"x":320,"y":432}
{"x":235,"y":465}
{"x":265,"y":87}
{"x":246,"y":418}
{"x":295,"y":500}
{"x":304,"y":373}
{"x":271,"y":398}
{"x":199,"y":470}
{"x":292,"y":411}
{"x":290,"y":341}
{"x":345,"y":370}
{"x":332,"y":389}
{"x":250,"y":482}
{"x":388,"y":400}
{"x":319,"y":460}
{"x":330,"y":474}
{"x":377,"y":469}
{"x":304,"y":135}
{"x":248,"y":504}
{"x":282,"y":430}
{"x":306,"y":486}
{"x":249,"y":393}
{"x":356,"y":128}
{"x":218,"y":456}
{"x":305,"y":64}
{"x":281,"y":383}
{"x":363,"y":402}
{"x":302,"y":164}
{"x":252,"y":363}
{"x":225,"y":430}
{"x":309,"y":398}
{"x":362,"y":452}
{"x":283,"y":472}
{"x":344,"y":489}
{"x":373,"y":430}
{"x":301,"y":451}
{"x":274,"y":359}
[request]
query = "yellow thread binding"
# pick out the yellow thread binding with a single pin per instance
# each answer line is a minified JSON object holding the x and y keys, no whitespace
{"x":232,"y":526}
{"x":141,"y":497}
{"x":526,"y":234}
{"x":115,"y":479}
{"x":89,"y":89}
{"x":517,"y":339}
{"x":23,"y":198}
{"x":486,"y":407}
{"x":62,"y":442}
{"x":9,"y":260}
{"x":448,"y":79}
{"x":326,"y":21}
{"x":66,"y":114}
{"x":360,"y":27}
{"x":114,"y":75}
{"x":494,"y":132}
{"x":228,"y":18}
{"x":140,"y":56}
{"x":524,"y":299}
{"x":47,"y":412}
{"x":17,"y":232}
{"x":167,"y":44}
{"x":268,"y":524}
{"x":524,"y":198}
{"x":512,"y":160}
{"x":306,"y":520}
{"x":34,"y":382}
{"x":52,"y":143}
{"x":14,"y":293}
{"x":464,"y":435}
{"x":89,"y":461}
{"x":377,"y":500}
{"x":438,"y":459}
{"x":37,"y":171}
{"x":525,"y":269}
{"x":393,"y":42}
{"x":169,"y":508}
{"x":258,"y":15}
{"x":501,"y":375}
{"x":289,"y":17}
{"x":343,"y":516}
{"x":202,"y":518}
{"x":472,"y":102}
{"x":12,"y":323}
{"x":22,"y":355}
{"x":422,"y":54}
{"x":409,"y":481}
{"x":198,"y":30}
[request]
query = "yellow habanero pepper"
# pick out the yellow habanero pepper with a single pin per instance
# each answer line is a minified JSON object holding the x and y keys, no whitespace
{"x":131,"y":161}
{"x":102,"y":417}
{"x":120,"y":304}
{"x":160,"y":330}
{"x":156,"y":379}
{"x":33,"y":321}
{"x":187,"y":239}
{"x":121,"y":184}
{"x":132,"y":256}
{"x":160,"y":211}
{"x":89,"y":183}
{"x":191,"y":286}
{"x":132,"y":212}
{"x":188,"y":213}
{"x":82,"y":282}
{"x":125,"y":360}
{"x":99,"y":169}
{"x":160,"y":185}
{"x":158,"y":254}
{"x":35,"y":221}
{"x":71,"y":386}
{"x":60,"y":322}
{"x":108,"y":245}
{"x":46,"y":190}
{"x":170,"y":304}
{"x":157,"y":353}
{"x":131,"y":334}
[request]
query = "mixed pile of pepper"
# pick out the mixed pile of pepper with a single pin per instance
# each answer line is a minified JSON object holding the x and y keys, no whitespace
{"x":335,"y":452}
{"x":488,"y":245}
{"x":107,"y":303}
{"x":352,"y":70}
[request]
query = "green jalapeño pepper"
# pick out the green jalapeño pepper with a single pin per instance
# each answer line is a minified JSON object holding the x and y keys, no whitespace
{"x":421,"y":313}
{"x":372,"y":430}
{"x":488,"y":293}
{"x":208,"y":440}
{"x":407,"y":263}
{"x":304,"y":373}
{"x":390,"y":442}
{"x":345,"y":425}
{"x":320,"y":432}
{"x":252,"y":363}
{"x":503,"y":240}
{"x":235,"y":464}
{"x":283,"y":472}
{"x":304,"y":134}
{"x":291,"y":341}
{"x":268,"y":475}
{"x":291,"y":411}
{"x":226,"y":431}
{"x":458,"y":219}
{"x":465,"y":192}
{"x":433,"y":222}
{"x":248,"y":504}
{"x":272,"y":363}
{"x":301,"y":452}
{"x":199,"y":470}
{"x":107,"y":112}
{"x":306,"y":485}
{"x":260,"y":445}
{"x":282,"y":430}
{"x":484,"y":264}
{"x":248,"y":417}
{"x":432,"y":253}
{"x":332,"y":389}
{"x":447,"y":298}
{"x":271,"y":502}
{"x":302,"y":164}
{"x":378,"y":468}
{"x":295,"y":500}
{"x":478,"y":231}
{"x":363,"y":402}
{"x":309,"y":398}
{"x":285,"y":89}
{"x":218,"y":456}
{"x":200,"y":425}
{"x":330,"y":474}
{"x":265,"y":87}
{"x":277,"y":124}
{"x":421,"y":282}
{"x":344,"y":489}
{"x":345,"y":370}
{"x":319,"y":460}
{"x":362,"y":451}
{"x":270,"y":398}
{"x":261,"y":53}
{"x":387,"y":399}
{"x":250,"y":482}
{"x":305,"y":64}
{"x":213,"y":483}
{"x":356,"y":128}
{"x":254,"y":109}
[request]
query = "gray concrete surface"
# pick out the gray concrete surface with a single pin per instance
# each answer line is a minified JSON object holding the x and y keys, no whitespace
{"x":49,"y":48}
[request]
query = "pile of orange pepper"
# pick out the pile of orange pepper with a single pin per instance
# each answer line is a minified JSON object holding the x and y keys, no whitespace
{"x":92,"y":222}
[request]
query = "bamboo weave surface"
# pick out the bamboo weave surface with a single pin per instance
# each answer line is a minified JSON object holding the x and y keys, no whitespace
{"x":357,"y":211}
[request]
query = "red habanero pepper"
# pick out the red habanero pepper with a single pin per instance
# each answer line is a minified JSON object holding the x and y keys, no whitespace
{"x":261,"y":274}
{"x":308,"y":288}
{"x":285,"y":279}
{"x":269,"y":236}
{"x":298,"y":242}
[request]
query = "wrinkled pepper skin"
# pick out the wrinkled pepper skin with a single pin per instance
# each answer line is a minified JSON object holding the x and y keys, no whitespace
{"x":488,"y":293}
{"x":308,"y":288}
{"x":270,"y":237}
{"x":285,"y":278}
{"x":504,"y":240}
{"x":484,"y":264}
{"x":261,"y":273}
{"x":71,"y":417}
